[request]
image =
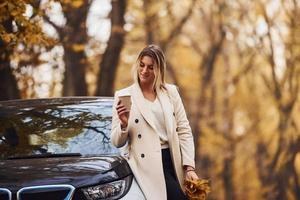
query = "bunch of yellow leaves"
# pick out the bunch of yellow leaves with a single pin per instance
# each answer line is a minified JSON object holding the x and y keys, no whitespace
{"x":197,"y":189}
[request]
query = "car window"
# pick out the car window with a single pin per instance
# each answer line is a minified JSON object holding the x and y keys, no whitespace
{"x":82,"y":127}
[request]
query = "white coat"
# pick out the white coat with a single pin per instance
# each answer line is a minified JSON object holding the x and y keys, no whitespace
{"x":144,"y":149}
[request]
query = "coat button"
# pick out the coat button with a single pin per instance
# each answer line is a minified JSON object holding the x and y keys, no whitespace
{"x":177,"y":129}
{"x":139,"y":136}
{"x":136,"y":121}
{"x":173,"y":114}
{"x":143,"y":155}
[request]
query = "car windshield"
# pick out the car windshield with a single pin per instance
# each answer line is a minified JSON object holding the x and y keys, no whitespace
{"x":56,"y":127}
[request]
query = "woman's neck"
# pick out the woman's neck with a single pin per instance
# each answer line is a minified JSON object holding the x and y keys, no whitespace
{"x":148,"y":92}
{"x":147,"y":88}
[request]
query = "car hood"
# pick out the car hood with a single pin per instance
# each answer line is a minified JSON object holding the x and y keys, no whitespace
{"x":77,"y":171}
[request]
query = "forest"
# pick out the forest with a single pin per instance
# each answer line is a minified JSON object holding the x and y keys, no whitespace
{"x":236,"y":64}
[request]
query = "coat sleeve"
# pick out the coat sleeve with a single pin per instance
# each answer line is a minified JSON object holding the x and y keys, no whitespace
{"x":118,"y":136}
{"x":184,"y":130}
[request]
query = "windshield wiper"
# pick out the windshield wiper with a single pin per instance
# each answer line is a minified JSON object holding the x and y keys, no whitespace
{"x":45,"y":155}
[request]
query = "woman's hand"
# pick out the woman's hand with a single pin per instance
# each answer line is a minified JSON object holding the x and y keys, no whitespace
{"x":190,"y":173}
{"x":123,"y":114}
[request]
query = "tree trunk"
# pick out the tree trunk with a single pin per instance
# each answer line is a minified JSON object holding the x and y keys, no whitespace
{"x":110,"y":60}
{"x":74,"y":83}
{"x":150,"y":19}
{"x":287,"y":171}
{"x":8,"y":87}
{"x":228,"y":162}
{"x":266,"y":177}
{"x":74,"y":38}
{"x":207,"y":68}
{"x":152,"y":32}
{"x":296,"y":182}
{"x":273,"y":173}
{"x":227,"y":178}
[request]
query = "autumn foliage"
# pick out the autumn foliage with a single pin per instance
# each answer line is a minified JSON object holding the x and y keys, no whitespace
{"x":236,"y":64}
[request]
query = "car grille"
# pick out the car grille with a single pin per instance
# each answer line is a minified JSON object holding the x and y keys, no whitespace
{"x":5,"y":194}
{"x":45,"y":192}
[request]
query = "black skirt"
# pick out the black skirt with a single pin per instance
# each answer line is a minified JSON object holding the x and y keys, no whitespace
{"x":174,"y":191}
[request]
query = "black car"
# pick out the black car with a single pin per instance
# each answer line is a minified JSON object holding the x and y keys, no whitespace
{"x":60,"y":149}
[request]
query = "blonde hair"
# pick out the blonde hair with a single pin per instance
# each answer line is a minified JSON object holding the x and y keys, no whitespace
{"x":154,"y":52}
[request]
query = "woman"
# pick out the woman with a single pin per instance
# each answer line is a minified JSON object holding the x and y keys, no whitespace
{"x":156,"y":130}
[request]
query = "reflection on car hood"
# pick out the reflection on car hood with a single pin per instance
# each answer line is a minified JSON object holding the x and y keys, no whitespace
{"x":77,"y":171}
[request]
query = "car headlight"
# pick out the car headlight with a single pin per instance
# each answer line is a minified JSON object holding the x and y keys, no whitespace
{"x":108,"y":191}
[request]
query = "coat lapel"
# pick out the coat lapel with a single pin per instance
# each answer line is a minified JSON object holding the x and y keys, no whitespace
{"x":167,"y":110}
{"x":140,"y":102}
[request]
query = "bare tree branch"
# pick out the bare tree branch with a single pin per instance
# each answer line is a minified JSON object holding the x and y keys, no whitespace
{"x":277,"y":92}
{"x":177,"y":29}
{"x":246,"y":69}
{"x":57,"y":28}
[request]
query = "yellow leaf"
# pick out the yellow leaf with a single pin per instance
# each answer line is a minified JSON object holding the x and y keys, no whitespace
{"x":78,"y":47}
{"x":6,"y":37}
{"x":77,"y":3}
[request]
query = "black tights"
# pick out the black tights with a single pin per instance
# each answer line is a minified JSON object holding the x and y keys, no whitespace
{"x":174,"y":191}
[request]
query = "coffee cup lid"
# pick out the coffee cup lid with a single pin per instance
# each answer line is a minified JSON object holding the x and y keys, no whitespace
{"x":123,"y":93}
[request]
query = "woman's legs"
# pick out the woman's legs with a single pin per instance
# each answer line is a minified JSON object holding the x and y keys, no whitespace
{"x":174,"y":191}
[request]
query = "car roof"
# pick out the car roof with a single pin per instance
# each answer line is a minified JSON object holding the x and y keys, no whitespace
{"x":53,"y":101}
